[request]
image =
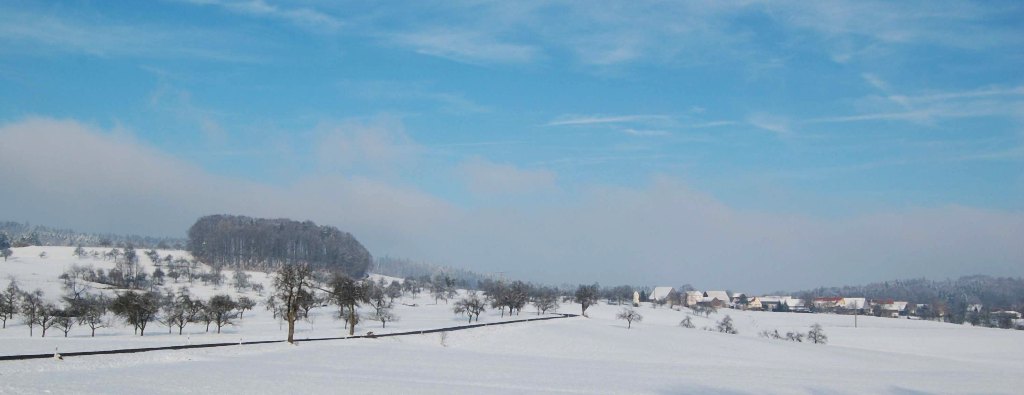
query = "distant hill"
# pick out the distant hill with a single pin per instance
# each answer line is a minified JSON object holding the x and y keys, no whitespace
{"x":993,"y":293}
{"x":405,"y":268}
{"x":29,"y":234}
{"x":263,"y":244}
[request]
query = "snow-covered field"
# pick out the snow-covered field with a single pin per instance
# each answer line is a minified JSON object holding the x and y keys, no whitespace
{"x":574,"y":355}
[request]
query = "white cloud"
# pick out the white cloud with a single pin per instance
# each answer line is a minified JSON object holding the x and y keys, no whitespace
{"x":773,"y":123}
{"x":926,"y":107}
{"x":488,"y":178}
{"x":570,"y":120}
{"x":876,"y":81}
{"x":646,"y":133}
{"x":300,"y":16}
{"x":101,"y":37}
{"x":465,"y":46}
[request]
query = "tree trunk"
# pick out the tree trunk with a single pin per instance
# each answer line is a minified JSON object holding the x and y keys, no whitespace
{"x":93,"y":332}
{"x":291,"y":327}
{"x":351,"y":320}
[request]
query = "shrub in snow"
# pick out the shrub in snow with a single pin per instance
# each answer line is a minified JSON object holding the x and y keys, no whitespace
{"x":686,"y":323}
{"x":630,"y":316}
{"x":725,"y":326}
{"x":817,"y":335}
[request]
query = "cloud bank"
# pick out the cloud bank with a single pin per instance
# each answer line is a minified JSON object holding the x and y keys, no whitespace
{"x":66,"y":173}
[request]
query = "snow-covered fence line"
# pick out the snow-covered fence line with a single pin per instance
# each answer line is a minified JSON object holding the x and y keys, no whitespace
{"x":248,"y":343}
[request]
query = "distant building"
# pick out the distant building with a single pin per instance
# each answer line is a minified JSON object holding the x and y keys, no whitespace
{"x":853,"y":303}
{"x":693,"y":297}
{"x":754,"y":303}
{"x":827,"y":303}
{"x":663,"y":294}
{"x":716,"y":298}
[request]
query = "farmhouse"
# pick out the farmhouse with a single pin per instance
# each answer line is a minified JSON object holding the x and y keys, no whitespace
{"x":663,"y":294}
{"x":853,"y":303}
{"x":693,"y":297}
{"x":716,"y":298}
{"x":827,"y":303}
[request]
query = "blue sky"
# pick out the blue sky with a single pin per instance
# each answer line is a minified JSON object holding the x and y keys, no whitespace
{"x":508,"y":115}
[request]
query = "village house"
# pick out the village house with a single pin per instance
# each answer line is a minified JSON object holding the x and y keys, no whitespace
{"x":772,"y":302}
{"x":717,"y":299}
{"x":795,"y":305}
{"x":739,"y":300}
{"x":663,"y":295}
{"x":826,"y":303}
{"x":853,"y":304}
{"x":889,"y":308}
{"x":692,"y":298}
{"x":754,"y":303}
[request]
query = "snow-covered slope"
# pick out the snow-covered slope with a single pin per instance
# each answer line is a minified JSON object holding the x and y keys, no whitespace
{"x":575,"y":355}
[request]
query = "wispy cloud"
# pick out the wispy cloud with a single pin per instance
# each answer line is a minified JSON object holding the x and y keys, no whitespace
{"x":179,"y":103}
{"x":569,"y":120}
{"x":876,"y":81}
{"x":100,"y":37}
{"x":464,"y":46}
{"x":774,"y":123}
{"x":451,"y":102}
{"x":646,"y":133}
{"x":927,"y":107}
{"x":304,"y":17}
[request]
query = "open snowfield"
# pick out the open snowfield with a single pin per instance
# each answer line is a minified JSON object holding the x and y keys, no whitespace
{"x":573,"y":355}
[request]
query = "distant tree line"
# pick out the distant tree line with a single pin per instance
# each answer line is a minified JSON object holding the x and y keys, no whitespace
{"x":949,"y":299}
{"x":24,"y":234}
{"x":405,"y":268}
{"x":266,"y":244}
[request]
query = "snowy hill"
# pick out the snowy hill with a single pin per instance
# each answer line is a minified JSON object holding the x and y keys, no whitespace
{"x":573,"y":355}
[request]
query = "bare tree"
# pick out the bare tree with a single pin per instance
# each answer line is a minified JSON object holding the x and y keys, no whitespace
{"x":29,"y":308}
{"x":92,"y":312}
{"x":393,"y":290}
{"x":240,"y":279}
{"x":726,"y":326}
{"x":471,"y":305}
{"x":221,"y":309}
{"x":586,"y":295}
{"x":291,"y":282}
{"x":137,"y":308}
{"x":9,"y":301}
{"x":65,"y":321}
{"x":245,"y":303}
{"x":384,"y":315}
{"x":630,"y":316}
{"x":349,"y":294}
{"x":817,"y":335}
{"x":545,"y":299}
{"x":47,"y":316}
{"x":686,"y":323}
